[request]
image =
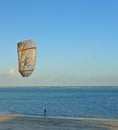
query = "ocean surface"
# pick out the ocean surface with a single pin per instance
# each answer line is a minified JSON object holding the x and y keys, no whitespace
{"x":87,"y":102}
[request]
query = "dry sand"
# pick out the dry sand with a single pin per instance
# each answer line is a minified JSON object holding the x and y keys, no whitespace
{"x":15,"y":122}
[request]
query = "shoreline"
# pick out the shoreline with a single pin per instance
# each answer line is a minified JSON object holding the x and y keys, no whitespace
{"x":27,"y":122}
{"x":59,"y":117}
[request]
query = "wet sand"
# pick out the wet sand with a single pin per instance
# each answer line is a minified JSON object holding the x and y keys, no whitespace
{"x":15,"y":122}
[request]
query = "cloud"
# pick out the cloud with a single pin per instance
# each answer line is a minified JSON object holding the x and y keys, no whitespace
{"x":12,"y":71}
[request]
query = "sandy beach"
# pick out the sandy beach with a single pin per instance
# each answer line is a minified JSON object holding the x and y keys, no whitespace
{"x":15,"y":122}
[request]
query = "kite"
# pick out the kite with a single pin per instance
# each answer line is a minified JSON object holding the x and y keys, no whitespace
{"x":26,"y":57}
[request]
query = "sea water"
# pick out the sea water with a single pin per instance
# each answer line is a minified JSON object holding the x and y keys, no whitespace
{"x":87,"y":102}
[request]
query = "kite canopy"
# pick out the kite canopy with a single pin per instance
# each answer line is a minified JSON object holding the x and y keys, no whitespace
{"x":26,"y":57}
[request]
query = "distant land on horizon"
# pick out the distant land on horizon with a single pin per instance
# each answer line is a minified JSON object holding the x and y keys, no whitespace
{"x":58,"y":86}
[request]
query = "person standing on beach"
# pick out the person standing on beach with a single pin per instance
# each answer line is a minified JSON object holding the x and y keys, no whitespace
{"x":44,"y":112}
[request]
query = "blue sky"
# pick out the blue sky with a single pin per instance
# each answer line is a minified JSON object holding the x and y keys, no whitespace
{"x":77,"y":41}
